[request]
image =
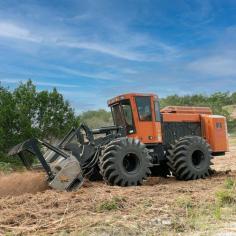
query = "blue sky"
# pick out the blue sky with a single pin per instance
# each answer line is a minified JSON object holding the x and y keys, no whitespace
{"x":93,"y":50}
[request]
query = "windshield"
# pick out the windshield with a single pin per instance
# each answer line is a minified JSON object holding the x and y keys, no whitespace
{"x":157,"y":110}
{"x":117,"y":115}
{"x":122,"y":115}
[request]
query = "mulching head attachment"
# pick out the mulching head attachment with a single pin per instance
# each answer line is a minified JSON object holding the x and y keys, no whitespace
{"x":63,"y":170}
{"x":76,"y":156}
{"x":67,"y":163}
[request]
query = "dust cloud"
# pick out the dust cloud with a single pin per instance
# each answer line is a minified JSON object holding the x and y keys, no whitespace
{"x":15,"y":184}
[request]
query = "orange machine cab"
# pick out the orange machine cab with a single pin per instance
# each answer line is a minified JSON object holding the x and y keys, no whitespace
{"x":145,"y":121}
{"x":142,"y":116}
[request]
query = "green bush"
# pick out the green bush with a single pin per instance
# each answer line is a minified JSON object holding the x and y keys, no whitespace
{"x":225,"y":197}
{"x":5,"y":167}
{"x":109,"y":205}
{"x":229,"y":183}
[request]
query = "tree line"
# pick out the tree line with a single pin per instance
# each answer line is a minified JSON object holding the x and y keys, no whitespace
{"x":26,"y":112}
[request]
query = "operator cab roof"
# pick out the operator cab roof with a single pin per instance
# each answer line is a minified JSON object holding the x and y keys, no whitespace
{"x":117,"y":99}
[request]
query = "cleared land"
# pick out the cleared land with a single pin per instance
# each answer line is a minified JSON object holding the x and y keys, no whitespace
{"x":160,"y":207}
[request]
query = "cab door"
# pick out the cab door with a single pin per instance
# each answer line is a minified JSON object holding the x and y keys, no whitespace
{"x":147,"y":124}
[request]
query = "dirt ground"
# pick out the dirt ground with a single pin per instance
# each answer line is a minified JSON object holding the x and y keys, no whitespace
{"x":160,"y":207}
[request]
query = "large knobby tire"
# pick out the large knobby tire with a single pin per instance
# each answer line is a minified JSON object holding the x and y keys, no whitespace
{"x":125,"y":162}
{"x":190,"y":158}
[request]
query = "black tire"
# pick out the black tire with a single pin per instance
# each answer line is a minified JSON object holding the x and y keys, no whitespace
{"x":170,"y":161}
{"x":190,"y":158}
{"x":91,"y":172}
{"x":95,"y":175}
{"x":125,"y":162}
{"x":161,"y":170}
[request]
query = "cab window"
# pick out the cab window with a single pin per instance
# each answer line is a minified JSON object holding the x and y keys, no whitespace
{"x":127,"y":111}
{"x":122,"y":116}
{"x":117,"y":116}
{"x":144,"y":108}
{"x":157,"y":111}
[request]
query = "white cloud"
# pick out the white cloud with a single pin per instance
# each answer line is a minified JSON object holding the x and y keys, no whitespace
{"x":126,"y":45}
{"x":60,"y":85}
{"x":98,"y":75}
{"x":106,"y":49}
{"x":219,"y":58}
{"x":14,"y":31}
{"x":215,"y":66}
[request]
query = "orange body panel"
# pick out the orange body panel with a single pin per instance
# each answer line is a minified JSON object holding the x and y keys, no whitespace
{"x":187,"y":110}
{"x":173,"y":117}
{"x":214,"y":130}
{"x":184,"y":114}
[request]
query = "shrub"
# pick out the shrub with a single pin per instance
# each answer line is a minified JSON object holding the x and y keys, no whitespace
{"x":113,"y":204}
{"x":5,"y":167}
{"x":229,"y":183}
{"x":225,"y":197}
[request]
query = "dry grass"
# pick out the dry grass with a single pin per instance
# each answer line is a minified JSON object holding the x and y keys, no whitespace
{"x":162,"y":205}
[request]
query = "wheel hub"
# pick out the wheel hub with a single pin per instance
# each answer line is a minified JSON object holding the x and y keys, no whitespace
{"x":131,"y":163}
{"x":197,"y":157}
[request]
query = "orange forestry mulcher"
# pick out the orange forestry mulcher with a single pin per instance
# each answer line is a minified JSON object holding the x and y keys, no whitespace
{"x":177,"y":141}
{"x":180,"y":140}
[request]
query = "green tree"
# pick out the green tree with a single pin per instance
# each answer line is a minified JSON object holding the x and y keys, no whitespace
{"x":25,"y":96}
{"x":54,"y":115}
{"x":233,"y":98}
{"x":26,"y":113}
{"x":8,"y":118}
